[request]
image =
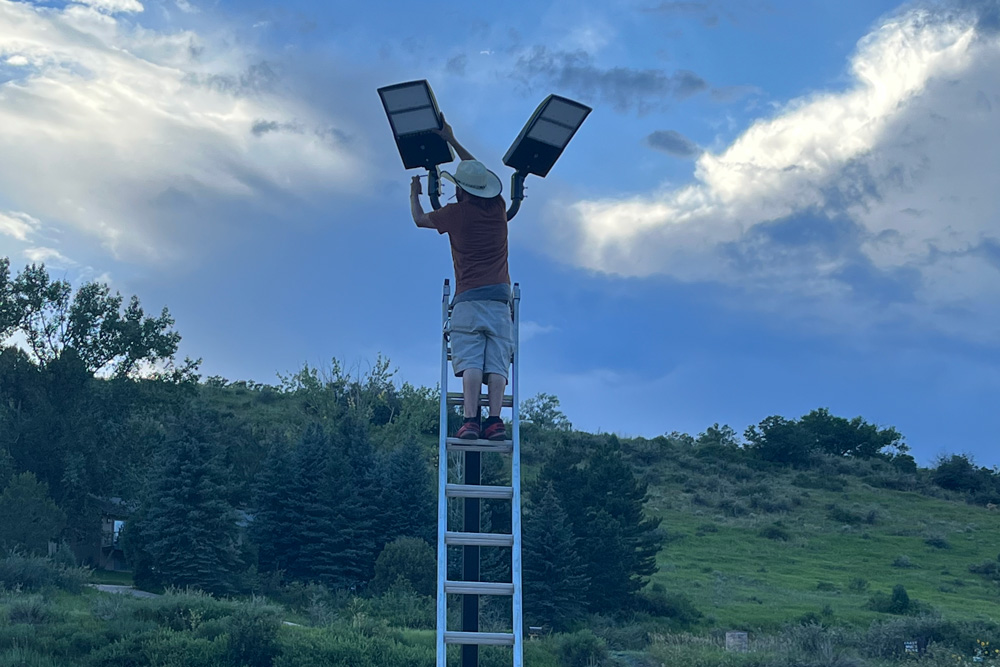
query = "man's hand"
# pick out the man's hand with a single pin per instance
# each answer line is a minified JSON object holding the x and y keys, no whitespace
{"x":446,"y":132}
{"x":416,"y":188}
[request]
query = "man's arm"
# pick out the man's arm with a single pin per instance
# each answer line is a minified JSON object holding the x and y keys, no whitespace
{"x":416,"y":208}
{"x":448,"y":135}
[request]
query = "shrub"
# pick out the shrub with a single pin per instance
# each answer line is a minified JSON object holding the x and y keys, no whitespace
{"x":29,"y":609}
{"x":897,"y":603}
{"x":401,"y":606}
{"x":18,"y":656}
{"x":183,"y":610}
{"x":988,"y":568}
{"x":409,"y":558}
{"x":858,"y":585}
{"x":937,"y":541}
{"x":581,"y":649}
{"x":252,"y":640}
{"x":776,"y":531}
{"x":841,"y":515}
{"x":826,"y":586}
{"x":32,"y":573}
{"x":678,"y":607}
{"x":706,"y":528}
{"x":903,"y":562}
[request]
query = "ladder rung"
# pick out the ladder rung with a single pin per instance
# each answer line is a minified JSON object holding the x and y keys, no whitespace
{"x":456,"y":398}
{"x":478,"y":588}
{"x":461,"y":445}
{"x":478,"y":491}
{"x":481,"y":638}
{"x":453,"y":538}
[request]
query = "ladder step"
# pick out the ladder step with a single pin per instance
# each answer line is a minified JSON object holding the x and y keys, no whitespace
{"x":456,"y":398}
{"x":453,"y":538}
{"x":460,"y":445}
{"x":480,"y":638}
{"x":478,"y":588}
{"x":479,"y":491}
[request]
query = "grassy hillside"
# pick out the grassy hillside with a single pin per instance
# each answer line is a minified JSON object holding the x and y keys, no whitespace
{"x":756,"y":548}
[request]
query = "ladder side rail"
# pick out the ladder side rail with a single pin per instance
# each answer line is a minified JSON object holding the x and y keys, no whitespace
{"x":515,"y":479}
{"x":442,"y":547}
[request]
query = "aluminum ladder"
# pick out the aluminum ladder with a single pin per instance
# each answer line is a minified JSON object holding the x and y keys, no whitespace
{"x":469,"y":538}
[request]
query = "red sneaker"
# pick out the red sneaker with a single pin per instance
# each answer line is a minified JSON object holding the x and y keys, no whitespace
{"x":495,"y":431}
{"x":469,"y":431}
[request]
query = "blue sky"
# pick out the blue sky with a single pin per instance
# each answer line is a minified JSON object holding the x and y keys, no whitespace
{"x":776,"y":205}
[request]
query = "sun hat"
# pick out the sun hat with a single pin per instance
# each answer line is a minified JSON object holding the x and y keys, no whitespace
{"x":473,"y":177}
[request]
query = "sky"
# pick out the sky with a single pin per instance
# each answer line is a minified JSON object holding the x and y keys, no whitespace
{"x":775,"y":205}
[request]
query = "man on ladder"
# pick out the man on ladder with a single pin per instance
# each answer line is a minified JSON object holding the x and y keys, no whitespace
{"x":482,"y":338}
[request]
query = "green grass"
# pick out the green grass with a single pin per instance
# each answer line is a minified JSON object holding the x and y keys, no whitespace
{"x":740,"y":579}
{"x":116,"y":578}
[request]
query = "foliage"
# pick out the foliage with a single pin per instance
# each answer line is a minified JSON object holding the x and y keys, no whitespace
{"x":542,"y":411}
{"x":553,"y":570}
{"x":28,"y":516}
{"x":90,"y":322}
{"x":897,"y":603}
{"x":186,"y":534}
{"x":581,"y":649}
{"x":35,"y":573}
{"x":407,"y":559}
{"x":252,"y":637}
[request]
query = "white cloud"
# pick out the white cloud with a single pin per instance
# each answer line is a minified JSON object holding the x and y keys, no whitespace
{"x":49,"y":256}
{"x":138,"y":138}
{"x":114,"y":6}
{"x":528,"y":330}
{"x":20,"y":226}
{"x":907,"y":157}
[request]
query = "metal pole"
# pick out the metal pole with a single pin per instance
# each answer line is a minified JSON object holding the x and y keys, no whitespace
{"x":442,"y":548}
{"x":516,"y":194}
{"x":434,"y":187}
{"x":515,"y":476}
{"x":470,"y":558}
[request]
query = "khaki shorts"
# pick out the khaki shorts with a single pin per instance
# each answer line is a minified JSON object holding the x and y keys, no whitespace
{"x":482,"y":336}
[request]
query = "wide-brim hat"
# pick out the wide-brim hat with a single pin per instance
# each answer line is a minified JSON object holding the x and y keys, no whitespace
{"x":473,"y":177}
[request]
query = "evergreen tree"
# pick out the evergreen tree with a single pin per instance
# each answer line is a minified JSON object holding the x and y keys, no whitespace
{"x":187,"y":530}
{"x":330,"y":534}
{"x":408,"y":507}
{"x":555,"y":582}
{"x":274,"y":507}
{"x":28,"y":516}
{"x":607,"y":515}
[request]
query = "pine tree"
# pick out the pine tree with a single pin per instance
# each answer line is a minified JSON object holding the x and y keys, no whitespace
{"x":607,"y":515}
{"x":555,"y":584}
{"x":188,"y":530}
{"x":331,"y":537}
{"x":407,"y":507}
{"x":273,"y":510}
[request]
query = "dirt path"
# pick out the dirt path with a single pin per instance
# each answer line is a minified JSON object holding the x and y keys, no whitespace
{"x":123,"y":590}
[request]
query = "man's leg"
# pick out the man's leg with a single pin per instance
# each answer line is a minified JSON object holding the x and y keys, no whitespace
{"x":495,"y":384}
{"x":472,"y":380}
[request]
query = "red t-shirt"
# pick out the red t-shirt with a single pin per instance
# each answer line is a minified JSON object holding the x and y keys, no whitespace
{"x":478,"y":234}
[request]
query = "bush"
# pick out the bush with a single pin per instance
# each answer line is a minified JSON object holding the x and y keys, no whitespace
{"x":24,"y":657}
{"x":29,"y":609}
{"x":841,"y":515}
{"x":409,"y":558}
{"x":903,"y":562}
{"x":183,"y":610}
{"x":33,"y":573}
{"x":858,"y":585}
{"x":897,"y":603}
{"x":252,"y":640}
{"x":581,"y":649}
{"x":776,"y":531}
{"x":401,"y":606}
{"x":988,"y":568}
{"x":937,"y":541}
{"x":310,"y":646}
{"x":676,"y":606}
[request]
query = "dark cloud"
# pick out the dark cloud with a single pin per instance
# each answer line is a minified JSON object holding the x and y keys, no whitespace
{"x":792,"y":248}
{"x":256,"y":79}
{"x":622,"y":87}
{"x":673,"y":143}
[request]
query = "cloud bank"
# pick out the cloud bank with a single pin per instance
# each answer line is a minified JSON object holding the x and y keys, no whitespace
{"x":884,"y":192}
{"x":138,"y":138}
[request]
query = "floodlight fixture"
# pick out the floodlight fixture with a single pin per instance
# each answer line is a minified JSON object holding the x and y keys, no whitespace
{"x":413,"y":115}
{"x":545,"y":135}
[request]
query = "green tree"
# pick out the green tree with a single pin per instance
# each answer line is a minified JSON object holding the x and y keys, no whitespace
{"x":607,"y":503}
{"x":408,"y":558}
{"x":28,"y":516}
{"x":92,"y":322}
{"x":330,"y":528}
{"x":542,"y":411}
{"x":407,"y":506}
{"x":855,"y":437}
{"x":780,"y":440}
{"x":186,"y":528}
{"x":555,"y":580}
{"x":10,"y":314}
{"x":274,"y":506}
